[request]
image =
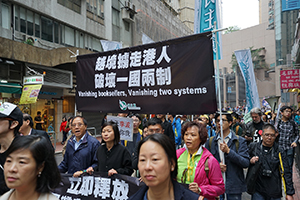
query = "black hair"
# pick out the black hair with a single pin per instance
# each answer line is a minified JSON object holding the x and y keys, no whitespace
{"x":136,"y":115}
{"x":153,"y":121}
{"x":202,"y":130}
{"x":115,"y":128}
{"x":38,"y":113}
{"x":228,"y":116}
{"x":267,"y":126}
{"x":28,"y":117}
{"x":42,"y":153}
{"x":84,"y":121}
{"x":168,"y":145}
{"x":283,"y":108}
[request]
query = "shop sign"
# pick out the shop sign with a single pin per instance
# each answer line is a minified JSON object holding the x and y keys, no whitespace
{"x":31,"y":80}
{"x":290,"y":79}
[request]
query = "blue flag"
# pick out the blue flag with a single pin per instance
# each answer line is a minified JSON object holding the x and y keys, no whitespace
{"x":206,"y":13}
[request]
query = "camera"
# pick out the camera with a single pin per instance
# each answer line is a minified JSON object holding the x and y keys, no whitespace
{"x":267,"y":172}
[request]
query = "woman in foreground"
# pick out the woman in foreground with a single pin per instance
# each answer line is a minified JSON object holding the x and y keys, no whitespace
{"x":30,"y":169}
{"x":158,"y":169}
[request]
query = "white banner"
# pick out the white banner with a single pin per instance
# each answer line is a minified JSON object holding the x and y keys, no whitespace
{"x":110,"y":45}
{"x":125,"y":126}
{"x":244,"y":60}
{"x":146,"y":39}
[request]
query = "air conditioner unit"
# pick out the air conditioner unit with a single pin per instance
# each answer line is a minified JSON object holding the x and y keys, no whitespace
{"x":31,"y":40}
{"x":128,"y":12}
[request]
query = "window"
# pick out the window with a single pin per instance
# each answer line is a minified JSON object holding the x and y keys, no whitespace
{"x":47,"y":29}
{"x":74,"y":5}
{"x":37,"y":30}
{"x":5,"y":16}
{"x":56,"y":32}
{"x":69,"y":36}
{"x":17,"y":17}
{"x":29,"y":22}
{"x":96,"y":7}
{"x":23,"y":20}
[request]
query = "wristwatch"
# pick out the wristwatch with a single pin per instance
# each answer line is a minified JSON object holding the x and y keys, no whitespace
{"x":199,"y":190}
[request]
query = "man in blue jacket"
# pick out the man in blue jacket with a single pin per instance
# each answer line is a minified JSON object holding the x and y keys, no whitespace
{"x":236,"y":157}
{"x":81,"y":149}
{"x":176,"y":125}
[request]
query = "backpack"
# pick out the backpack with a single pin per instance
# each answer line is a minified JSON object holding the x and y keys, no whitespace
{"x":237,"y":143}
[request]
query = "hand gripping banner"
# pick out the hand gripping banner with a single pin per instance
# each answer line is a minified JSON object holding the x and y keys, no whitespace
{"x":173,"y":76}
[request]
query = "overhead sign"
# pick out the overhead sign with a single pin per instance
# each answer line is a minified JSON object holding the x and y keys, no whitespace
{"x":290,"y":5}
{"x":31,"y":80}
{"x":174,"y":76}
{"x":290,"y":79}
{"x":125,"y":126}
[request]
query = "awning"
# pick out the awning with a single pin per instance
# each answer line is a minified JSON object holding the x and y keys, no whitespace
{"x":13,"y":88}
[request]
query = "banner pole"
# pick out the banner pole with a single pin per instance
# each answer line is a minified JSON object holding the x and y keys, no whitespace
{"x":222,"y":157}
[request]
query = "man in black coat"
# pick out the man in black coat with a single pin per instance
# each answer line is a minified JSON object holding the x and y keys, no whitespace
{"x":265,"y":159}
{"x":26,"y":128}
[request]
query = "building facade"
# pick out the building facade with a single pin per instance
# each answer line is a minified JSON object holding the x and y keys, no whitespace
{"x":44,"y":37}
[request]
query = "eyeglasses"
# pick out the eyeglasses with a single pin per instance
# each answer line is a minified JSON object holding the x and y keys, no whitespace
{"x":269,"y":135}
{"x":224,"y":120}
{"x":79,"y":125}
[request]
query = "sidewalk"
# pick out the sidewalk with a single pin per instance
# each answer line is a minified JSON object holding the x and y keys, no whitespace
{"x":296,"y":180}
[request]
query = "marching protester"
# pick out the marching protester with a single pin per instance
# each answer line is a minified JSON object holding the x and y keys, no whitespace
{"x":196,"y":165}
{"x":288,"y":134}
{"x":113,"y":157}
{"x":205,"y":119}
{"x":11,"y":119}
{"x":266,"y":166}
{"x":154,"y":125}
{"x":27,"y":128}
{"x":81,"y":149}
{"x":137,"y":134}
{"x":236,"y":127}
{"x":167,"y":126}
{"x":236,"y":157}
{"x":158,"y":168}
{"x":176,"y":125}
{"x":30,"y":169}
{"x":254,"y":128}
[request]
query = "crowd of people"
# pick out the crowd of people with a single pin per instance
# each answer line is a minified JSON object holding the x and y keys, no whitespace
{"x":202,"y":157}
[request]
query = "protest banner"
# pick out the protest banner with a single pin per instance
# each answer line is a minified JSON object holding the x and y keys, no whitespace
{"x":96,"y":186}
{"x":244,"y":60}
{"x":173,"y":76}
{"x":125,"y":126}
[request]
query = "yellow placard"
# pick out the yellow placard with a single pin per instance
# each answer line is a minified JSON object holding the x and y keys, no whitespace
{"x":30,"y":94}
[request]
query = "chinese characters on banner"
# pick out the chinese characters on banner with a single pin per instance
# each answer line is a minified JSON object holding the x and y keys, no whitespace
{"x":207,"y":12}
{"x":97,"y":186}
{"x":290,"y":79}
{"x":174,"y":76}
{"x":125,"y":126}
